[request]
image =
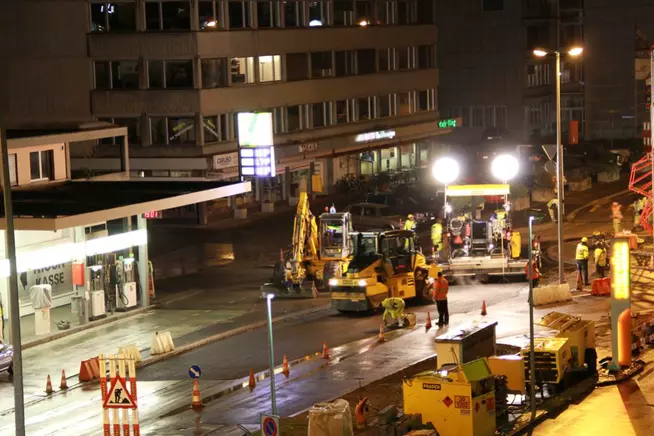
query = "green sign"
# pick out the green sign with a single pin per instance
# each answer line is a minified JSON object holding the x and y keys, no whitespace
{"x":446,"y":124}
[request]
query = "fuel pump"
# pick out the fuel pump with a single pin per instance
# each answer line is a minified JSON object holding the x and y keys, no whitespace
{"x":125,"y":284}
{"x":95,"y":285}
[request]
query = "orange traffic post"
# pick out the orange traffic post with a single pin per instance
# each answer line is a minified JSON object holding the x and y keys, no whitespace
{"x":580,"y":284}
{"x":48,"y":386}
{"x":381,"y":337}
{"x":428,"y":324}
{"x":285,"y":369}
{"x":360,"y":413}
{"x":252,"y":383}
{"x":63,"y":384}
{"x":483,"y":308}
{"x":196,"y":402}
{"x":624,"y":338}
{"x":325,"y":350}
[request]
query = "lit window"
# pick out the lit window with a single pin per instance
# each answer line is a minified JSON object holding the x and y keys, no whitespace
{"x":270,"y":68}
{"x":41,"y":165}
{"x":113,"y":17}
{"x":404,"y":103}
{"x":168,"y":15}
{"x":241,"y":70}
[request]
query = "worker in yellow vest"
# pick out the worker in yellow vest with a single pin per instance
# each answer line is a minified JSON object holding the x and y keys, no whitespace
{"x":437,"y":237}
{"x":395,"y":308}
{"x":581,"y":256}
{"x":616,"y":217}
{"x":600,"y":261}
{"x":410,"y":223}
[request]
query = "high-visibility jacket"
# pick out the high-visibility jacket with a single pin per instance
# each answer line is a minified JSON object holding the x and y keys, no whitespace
{"x":534,"y":273}
{"x":500,"y":214}
{"x":441,"y":288}
{"x":581,"y":252}
{"x":409,"y":225}
{"x":600,"y":256}
{"x":553,"y":202}
{"x":436,"y":233}
{"x":616,"y":211}
{"x":394,"y":307}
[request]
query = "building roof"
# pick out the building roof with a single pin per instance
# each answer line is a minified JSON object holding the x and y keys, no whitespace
{"x":84,"y":203}
{"x":63,"y":134}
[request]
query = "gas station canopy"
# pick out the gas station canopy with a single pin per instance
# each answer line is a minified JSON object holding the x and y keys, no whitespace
{"x":477,"y":190}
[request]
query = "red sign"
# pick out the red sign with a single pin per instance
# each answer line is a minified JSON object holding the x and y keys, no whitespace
{"x":118,"y":397}
{"x":154,"y":215}
{"x":447,"y":401}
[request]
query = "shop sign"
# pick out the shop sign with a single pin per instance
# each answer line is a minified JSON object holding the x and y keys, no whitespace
{"x":309,"y":147}
{"x":447,"y":123}
{"x":154,"y":215}
{"x":59,"y":276}
{"x":375,"y":136}
{"x":229,"y":160}
{"x":255,"y":139}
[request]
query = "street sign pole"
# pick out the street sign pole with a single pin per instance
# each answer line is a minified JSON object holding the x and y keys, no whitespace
{"x":651,"y":124}
{"x":559,"y":170}
{"x":532,"y":359}
{"x":14,"y":313}
{"x":273,"y":400}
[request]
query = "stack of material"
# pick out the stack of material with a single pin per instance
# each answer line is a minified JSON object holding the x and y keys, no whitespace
{"x":331,"y":419}
{"x":501,"y":396}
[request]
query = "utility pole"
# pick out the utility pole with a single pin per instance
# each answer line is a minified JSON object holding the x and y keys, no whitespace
{"x":14,"y":308}
{"x":559,"y":170}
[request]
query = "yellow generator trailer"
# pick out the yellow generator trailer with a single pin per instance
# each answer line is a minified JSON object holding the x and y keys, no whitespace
{"x":384,"y":264}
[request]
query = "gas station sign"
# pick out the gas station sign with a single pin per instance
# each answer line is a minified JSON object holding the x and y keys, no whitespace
{"x":255,"y":140}
{"x":620,"y":280}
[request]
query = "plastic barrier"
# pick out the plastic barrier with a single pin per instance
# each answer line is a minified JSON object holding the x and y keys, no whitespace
{"x":552,"y":294}
{"x":162,"y":343}
{"x":131,"y":352}
{"x":601,"y":287}
{"x":89,"y":369}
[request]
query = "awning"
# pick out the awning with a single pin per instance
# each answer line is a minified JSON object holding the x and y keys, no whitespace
{"x":477,"y":190}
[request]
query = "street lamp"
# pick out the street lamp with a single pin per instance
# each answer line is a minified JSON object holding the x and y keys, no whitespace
{"x":505,"y":167}
{"x":574,"y":51}
{"x":273,"y":400}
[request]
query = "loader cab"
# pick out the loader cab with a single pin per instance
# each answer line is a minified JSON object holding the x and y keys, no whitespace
{"x":335,"y":236}
{"x":399,"y":249}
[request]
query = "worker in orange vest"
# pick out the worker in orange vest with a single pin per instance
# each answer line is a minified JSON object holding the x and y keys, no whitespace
{"x":616,"y":216}
{"x":441,"y":287}
{"x":532,"y":273}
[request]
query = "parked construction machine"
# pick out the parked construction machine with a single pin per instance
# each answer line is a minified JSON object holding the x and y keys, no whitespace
{"x":384,"y":264}
{"x":318,"y":252}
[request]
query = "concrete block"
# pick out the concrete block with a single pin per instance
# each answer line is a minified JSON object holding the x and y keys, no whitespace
{"x":388,"y":414}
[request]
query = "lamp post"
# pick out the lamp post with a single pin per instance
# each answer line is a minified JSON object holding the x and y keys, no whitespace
{"x":504,"y":168}
{"x":574,"y":51}
{"x":273,"y":400}
{"x":532,"y":358}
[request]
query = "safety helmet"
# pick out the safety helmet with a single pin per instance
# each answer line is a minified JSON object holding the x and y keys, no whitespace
{"x":584,"y":239}
{"x":410,"y":216}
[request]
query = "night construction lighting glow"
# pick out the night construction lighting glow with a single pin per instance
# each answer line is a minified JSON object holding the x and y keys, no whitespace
{"x":68,"y":252}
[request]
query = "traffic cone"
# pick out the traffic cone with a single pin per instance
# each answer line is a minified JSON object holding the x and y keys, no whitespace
{"x":651,"y":261}
{"x":63,"y":384}
{"x":483,"y":308}
{"x":252,"y":383}
{"x":381,"y":338}
{"x":285,"y":370}
{"x":196,"y":403}
{"x":281,"y":255}
{"x":580,"y":284}
{"x":48,"y":386}
{"x":428,"y":324}
{"x":325,"y":350}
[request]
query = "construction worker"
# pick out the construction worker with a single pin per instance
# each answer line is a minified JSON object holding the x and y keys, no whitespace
{"x":616,"y":217}
{"x":638,"y":206}
{"x":410,"y":223}
{"x":441,"y":287}
{"x":437,"y":236}
{"x":395,"y":308}
{"x":532,"y":273}
{"x":599,"y":255}
{"x":581,"y":256}
{"x":553,"y":208}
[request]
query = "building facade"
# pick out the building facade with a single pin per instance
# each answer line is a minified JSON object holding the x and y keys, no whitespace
{"x":490,"y":77}
{"x":347,"y":81}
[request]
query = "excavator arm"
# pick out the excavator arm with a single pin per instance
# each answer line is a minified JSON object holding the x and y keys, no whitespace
{"x":305,"y":239}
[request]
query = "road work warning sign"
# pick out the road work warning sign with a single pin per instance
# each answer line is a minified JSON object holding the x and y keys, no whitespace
{"x":118,"y":396}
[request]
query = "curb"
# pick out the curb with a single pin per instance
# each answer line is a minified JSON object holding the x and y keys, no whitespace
{"x":215,"y":338}
{"x":88,"y":326}
{"x":572,"y":215}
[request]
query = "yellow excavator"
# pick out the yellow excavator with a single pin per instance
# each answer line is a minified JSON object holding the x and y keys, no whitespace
{"x":316,"y":254}
{"x":384,"y":264}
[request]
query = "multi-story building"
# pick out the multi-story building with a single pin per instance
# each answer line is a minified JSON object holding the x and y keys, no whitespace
{"x":351,"y":83}
{"x":489,"y":76}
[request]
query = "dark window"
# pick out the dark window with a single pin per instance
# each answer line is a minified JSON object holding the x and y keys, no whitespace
{"x":426,"y":56}
{"x":133,"y":129}
{"x":493,"y":5}
{"x":124,"y":74}
{"x":366,"y":61}
{"x":385,"y":59}
{"x":318,"y":11}
{"x":156,"y":78}
{"x":214,"y":73}
{"x":209,"y":15}
{"x":405,"y":58}
{"x":406,"y":11}
{"x":297,"y":66}
{"x":41,"y":165}
{"x":158,"y":131}
{"x":342,"y":111}
{"x":423,"y":100}
{"x":343,"y":12}
{"x":174,"y":15}
{"x":267,"y":15}
{"x":538,"y":36}
{"x":386,"y":211}
{"x":384,"y":12}
{"x":363,"y":11}
{"x":319,"y":114}
{"x":426,"y":12}
{"x":239,"y":14}
{"x":364,"y":109}
{"x":355,"y":210}
{"x":181,"y":131}
{"x":321,"y":64}
{"x":102,"y":75}
{"x":404,"y":103}
{"x":384,"y":106}
{"x":291,"y":13}
{"x":293,"y":118}
{"x":113,"y":17}
{"x":345,"y":63}
{"x":215,"y":128}
{"x":179,"y":74}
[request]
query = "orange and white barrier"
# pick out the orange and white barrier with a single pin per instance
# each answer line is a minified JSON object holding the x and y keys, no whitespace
{"x":162,"y":343}
{"x":89,"y":370}
{"x":119,"y":396}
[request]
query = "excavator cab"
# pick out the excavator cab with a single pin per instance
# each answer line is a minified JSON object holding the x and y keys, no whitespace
{"x":335,"y":236}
